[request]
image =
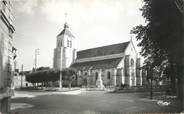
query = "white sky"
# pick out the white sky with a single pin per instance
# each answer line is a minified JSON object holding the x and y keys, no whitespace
{"x":93,"y":22}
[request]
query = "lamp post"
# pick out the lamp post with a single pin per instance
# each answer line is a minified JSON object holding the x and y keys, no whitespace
{"x":60,"y":76}
{"x":22,"y":67}
{"x":180,"y":6}
{"x":60,"y":73}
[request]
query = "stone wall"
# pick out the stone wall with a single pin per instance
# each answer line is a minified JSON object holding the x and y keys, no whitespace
{"x":107,"y":76}
{"x":6,"y":55}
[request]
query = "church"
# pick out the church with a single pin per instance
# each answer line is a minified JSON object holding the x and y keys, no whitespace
{"x":106,"y":66}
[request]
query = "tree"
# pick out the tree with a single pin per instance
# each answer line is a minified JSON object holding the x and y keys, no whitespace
{"x":43,"y":68}
{"x":161,"y":35}
{"x":44,"y":75}
{"x":69,"y":75}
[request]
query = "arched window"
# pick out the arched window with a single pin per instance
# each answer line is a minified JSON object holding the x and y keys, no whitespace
{"x":68,"y":43}
{"x":132,"y":68}
{"x":96,"y":75}
{"x":59,"y":43}
{"x":108,"y":75}
{"x":85,"y":73}
{"x":132,"y":62}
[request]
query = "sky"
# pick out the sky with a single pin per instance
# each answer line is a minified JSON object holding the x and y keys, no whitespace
{"x":94,"y":23}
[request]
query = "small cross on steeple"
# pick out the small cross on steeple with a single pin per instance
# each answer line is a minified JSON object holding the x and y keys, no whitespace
{"x":65,"y":17}
{"x":66,"y":25}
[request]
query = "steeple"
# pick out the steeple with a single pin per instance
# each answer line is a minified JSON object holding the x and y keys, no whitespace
{"x":65,"y":52}
{"x":65,"y":31}
{"x":66,"y":25}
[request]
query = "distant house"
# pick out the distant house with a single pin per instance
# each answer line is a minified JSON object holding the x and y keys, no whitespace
{"x":19,"y":80}
{"x":111,"y":65}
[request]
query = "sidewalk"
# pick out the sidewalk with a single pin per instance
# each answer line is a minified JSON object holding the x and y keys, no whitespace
{"x":35,"y":93}
{"x":32,"y":94}
{"x":20,"y":105}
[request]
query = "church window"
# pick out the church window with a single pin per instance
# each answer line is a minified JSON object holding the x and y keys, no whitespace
{"x":86,"y":74}
{"x":108,"y":75}
{"x":61,"y":42}
{"x":96,"y":75}
{"x":132,"y":62}
{"x":68,"y":43}
{"x":132,"y":68}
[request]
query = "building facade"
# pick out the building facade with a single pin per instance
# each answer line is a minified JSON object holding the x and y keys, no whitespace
{"x":65,"y":52}
{"x":109,"y":66}
{"x":6,"y":55}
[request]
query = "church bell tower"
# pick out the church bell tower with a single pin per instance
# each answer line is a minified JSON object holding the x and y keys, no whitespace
{"x":65,"y":52}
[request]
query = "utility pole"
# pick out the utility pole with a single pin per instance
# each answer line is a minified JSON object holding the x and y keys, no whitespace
{"x":22,"y":68}
{"x":180,"y":6}
{"x":36,"y":59}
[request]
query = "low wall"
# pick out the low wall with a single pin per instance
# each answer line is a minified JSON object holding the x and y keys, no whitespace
{"x":141,"y":89}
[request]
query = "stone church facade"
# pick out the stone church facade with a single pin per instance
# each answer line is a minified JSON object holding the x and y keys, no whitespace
{"x":111,"y":65}
{"x":108,"y":66}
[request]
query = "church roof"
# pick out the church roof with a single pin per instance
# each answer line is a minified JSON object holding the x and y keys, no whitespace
{"x":100,"y":64}
{"x":66,"y":31}
{"x":102,"y":51}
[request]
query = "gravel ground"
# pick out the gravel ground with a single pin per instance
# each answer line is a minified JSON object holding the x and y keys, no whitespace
{"x":89,"y":102}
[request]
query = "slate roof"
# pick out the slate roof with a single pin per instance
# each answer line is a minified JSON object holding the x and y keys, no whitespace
{"x":66,"y":31}
{"x":102,"y":51}
{"x":101,"y":64}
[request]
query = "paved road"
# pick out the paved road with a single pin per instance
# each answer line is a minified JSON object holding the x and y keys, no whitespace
{"x":89,"y":102}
